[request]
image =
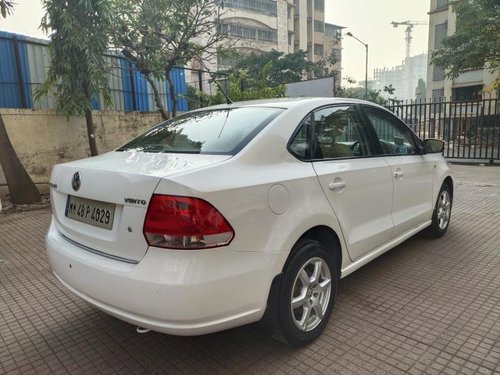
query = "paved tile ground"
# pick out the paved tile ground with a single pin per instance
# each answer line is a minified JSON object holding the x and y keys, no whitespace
{"x":426,"y":307}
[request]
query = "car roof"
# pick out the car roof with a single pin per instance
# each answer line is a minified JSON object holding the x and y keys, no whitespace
{"x":288,"y":103}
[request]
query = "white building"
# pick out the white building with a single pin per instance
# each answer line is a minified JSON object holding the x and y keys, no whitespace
{"x":442,"y":23}
{"x":403,"y":78}
{"x":283,"y":25}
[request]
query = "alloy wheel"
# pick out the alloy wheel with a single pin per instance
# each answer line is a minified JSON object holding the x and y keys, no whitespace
{"x":311,"y":294}
{"x":444,"y":209}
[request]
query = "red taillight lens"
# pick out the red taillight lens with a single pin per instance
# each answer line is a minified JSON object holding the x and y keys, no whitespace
{"x":185,"y":223}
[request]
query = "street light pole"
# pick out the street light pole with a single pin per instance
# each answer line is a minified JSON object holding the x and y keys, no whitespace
{"x":366,"y":64}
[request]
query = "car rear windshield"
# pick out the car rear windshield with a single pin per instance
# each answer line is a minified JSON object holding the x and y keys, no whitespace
{"x":221,"y":131}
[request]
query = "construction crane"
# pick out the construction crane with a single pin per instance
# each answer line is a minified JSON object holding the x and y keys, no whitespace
{"x":409,"y":27}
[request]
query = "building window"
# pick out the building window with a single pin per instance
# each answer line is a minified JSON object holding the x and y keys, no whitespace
{"x":467,"y":93}
{"x":267,"y":7}
{"x":333,"y":31}
{"x":249,"y":32}
{"x":437,"y":99}
{"x":319,"y":5}
{"x":319,"y":26}
{"x":441,"y":4}
{"x":438,"y":73}
{"x":437,"y":95}
{"x":318,"y":49}
{"x":267,"y":35}
{"x":440,"y":31}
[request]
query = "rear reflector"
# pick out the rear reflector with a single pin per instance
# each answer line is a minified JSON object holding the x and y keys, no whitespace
{"x":185,"y":223}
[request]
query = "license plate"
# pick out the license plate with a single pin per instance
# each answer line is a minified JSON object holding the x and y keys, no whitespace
{"x":89,"y":211}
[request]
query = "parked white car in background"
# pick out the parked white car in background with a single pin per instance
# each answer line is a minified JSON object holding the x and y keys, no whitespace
{"x":242,"y":213}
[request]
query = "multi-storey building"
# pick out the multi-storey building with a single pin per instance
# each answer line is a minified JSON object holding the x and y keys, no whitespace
{"x":283,"y":25}
{"x":469,"y":85}
{"x":403,"y":78}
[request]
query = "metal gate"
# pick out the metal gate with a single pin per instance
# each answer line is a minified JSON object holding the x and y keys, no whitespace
{"x":470,"y":128}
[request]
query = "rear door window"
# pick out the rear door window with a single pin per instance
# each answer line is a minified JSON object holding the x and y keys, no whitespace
{"x":332,"y":133}
{"x":221,"y":131}
{"x":340,"y":133}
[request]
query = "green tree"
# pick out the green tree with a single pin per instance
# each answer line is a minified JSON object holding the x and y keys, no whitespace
{"x":389,"y":89}
{"x":78,"y":70}
{"x":359,"y":93}
{"x":277,"y":68}
{"x":476,"y":42}
{"x":22,"y":190}
{"x":234,"y":87}
{"x":325,"y":67}
{"x":6,"y":8}
{"x":420,"y":90}
{"x":159,"y":35}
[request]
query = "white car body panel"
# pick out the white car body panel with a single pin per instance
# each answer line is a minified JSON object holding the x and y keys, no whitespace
{"x":171,"y":291}
{"x":413,"y":190}
{"x":362,"y":205}
{"x":112,"y":177}
{"x":269,"y":197}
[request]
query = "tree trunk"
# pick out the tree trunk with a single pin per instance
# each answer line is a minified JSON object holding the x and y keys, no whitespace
{"x":90,"y":122}
{"x":91,"y":132}
{"x":159,"y":104}
{"x":172,"y":94}
{"x":22,"y":190}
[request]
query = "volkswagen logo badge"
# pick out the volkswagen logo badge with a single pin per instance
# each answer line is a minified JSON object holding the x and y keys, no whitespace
{"x":76,"y":181}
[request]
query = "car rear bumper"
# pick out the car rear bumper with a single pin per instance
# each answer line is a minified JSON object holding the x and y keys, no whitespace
{"x":180,"y":292}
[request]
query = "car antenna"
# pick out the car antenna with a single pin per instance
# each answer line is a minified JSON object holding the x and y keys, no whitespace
{"x":228,"y":99}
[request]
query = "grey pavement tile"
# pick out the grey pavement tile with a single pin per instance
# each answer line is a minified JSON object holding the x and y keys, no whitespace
{"x":425,"y":307}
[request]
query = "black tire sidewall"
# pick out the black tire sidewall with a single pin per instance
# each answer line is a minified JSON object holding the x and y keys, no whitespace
{"x":435,"y":231}
{"x":305,"y":251}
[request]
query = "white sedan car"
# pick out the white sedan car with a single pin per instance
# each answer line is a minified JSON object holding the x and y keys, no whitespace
{"x":242,"y":213}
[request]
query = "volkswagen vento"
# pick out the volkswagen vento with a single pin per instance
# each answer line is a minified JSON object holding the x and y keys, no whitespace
{"x":244,"y":212}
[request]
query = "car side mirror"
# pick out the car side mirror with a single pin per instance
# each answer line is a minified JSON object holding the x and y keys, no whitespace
{"x":433,"y":146}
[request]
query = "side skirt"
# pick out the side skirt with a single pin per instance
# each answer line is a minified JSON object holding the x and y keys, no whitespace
{"x":382,"y":249}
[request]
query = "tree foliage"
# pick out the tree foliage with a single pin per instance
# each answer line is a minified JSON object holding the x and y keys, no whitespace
{"x":78,"y":42}
{"x":275,"y":67}
{"x":420,"y":90}
{"x":235,"y":87}
{"x":476,"y":42}
{"x":359,"y":93}
{"x":6,"y":8}
{"x":159,"y":35}
{"x":278,"y":68}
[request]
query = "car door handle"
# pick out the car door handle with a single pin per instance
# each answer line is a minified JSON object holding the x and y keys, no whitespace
{"x":337,"y":185}
{"x":398,"y":174}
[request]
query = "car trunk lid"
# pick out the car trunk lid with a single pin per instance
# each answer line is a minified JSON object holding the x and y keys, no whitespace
{"x":100,"y":203}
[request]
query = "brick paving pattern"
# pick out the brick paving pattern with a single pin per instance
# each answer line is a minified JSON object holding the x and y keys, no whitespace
{"x":425,"y":307}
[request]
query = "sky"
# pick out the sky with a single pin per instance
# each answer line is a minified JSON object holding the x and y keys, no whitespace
{"x":368,"y":20}
{"x":25,"y":20}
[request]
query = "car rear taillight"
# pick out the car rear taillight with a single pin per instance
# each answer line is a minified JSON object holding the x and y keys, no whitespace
{"x":185,"y":223}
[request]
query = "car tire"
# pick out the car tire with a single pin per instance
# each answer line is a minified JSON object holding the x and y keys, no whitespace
{"x":442,"y":213}
{"x":307,"y":294}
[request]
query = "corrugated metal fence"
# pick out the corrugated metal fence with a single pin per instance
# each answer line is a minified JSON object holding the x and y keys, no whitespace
{"x":24,"y":62}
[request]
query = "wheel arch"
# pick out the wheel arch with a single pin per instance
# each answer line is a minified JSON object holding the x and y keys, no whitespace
{"x":327,"y":237}
{"x":330,"y":240}
{"x":449,"y":181}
